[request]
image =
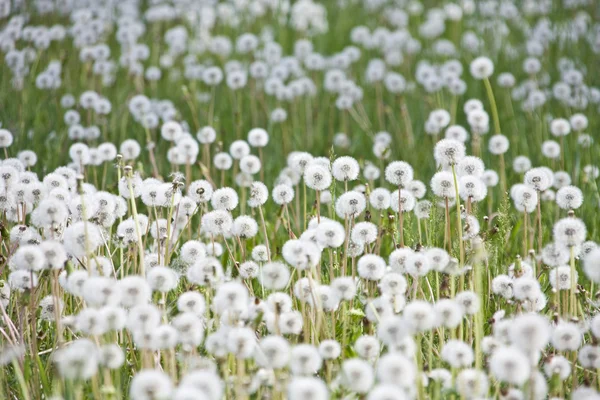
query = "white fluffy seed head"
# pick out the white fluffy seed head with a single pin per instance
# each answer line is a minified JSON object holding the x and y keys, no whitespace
{"x":317,"y":177}
{"x":481,"y":68}
{"x":155,"y":382}
{"x":539,"y":178}
{"x":578,"y":122}
{"x":206,"y":135}
{"x":569,"y":232}
{"x":350,"y":204}
{"x":371,"y":267}
{"x":458,"y":354}
{"x":456,"y":132}
{"x":380,"y":198}
{"x":222,"y":161}
{"x":200,"y":191}
{"x":591,"y":265}
{"x":510,"y":365}
{"x":345,"y":169}
{"x":171,"y":131}
{"x":274,"y":275}
{"x":258,"y":194}
{"x":301,"y":388}
{"x":442,"y":185}
{"x":560,"y":127}
{"x":357,"y":375}
{"x":551,"y":149}
{"x":191,"y":302}
{"x":258,"y":137}
{"x":399,"y":173}
{"x":250,"y":164}
{"x":498,"y":144}
{"x":224,"y":199}
{"x":283,"y":194}
{"x":244,"y":227}
{"x":448,"y":152}
{"x":402,"y":200}
{"x":569,"y":197}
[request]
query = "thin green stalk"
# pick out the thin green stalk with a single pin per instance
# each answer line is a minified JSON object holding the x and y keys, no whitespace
{"x":21,"y":379}
{"x":492,"y":99}
{"x":138,"y":232}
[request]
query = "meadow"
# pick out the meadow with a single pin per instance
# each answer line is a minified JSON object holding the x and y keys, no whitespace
{"x":299,"y":199}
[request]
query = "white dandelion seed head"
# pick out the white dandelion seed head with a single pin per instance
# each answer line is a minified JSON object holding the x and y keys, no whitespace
{"x":224,"y":199}
{"x":317,"y":177}
{"x":560,"y":127}
{"x":448,"y":152}
{"x":569,"y":232}
{"x":350,"y":204}
{"x":399,"y":173}
{"x":481,"y":68}
{"x":508,"y":364}
{"x":442,"y":185}
{"x":569,"y":197}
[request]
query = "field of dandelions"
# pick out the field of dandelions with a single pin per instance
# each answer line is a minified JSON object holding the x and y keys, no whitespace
{"x":304,"y":200}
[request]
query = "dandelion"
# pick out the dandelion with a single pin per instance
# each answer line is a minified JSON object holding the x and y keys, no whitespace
{"x":468,"y":301}
{"x":458,"y":354}
{"x":307,"y":388}
{"x":330,"y":234}
{"x":357,"y":375}
{"x":419,"y":315}
{"x":28,"y":258}
{"x":510,"y":365}
{"x":442,"y":185}
{"x":273,"y":352}
{"x":569,"y":232}
{"x":538,"y":179}
{"x":77,"y":361}
{"x":301,"y":254}
{"x":529,"y":332}
{"x":417,"y":264}
{"x":283,"y":194}
{"x":560,"y":127}
{"x":317,"y":177}
{"x":350,"y":204}
{"x":274,"y":275}
{"x":162,"y":279}
{"x":371,"y":267}
{"x":560,"y":278}
{"x":305,"y":360}
{"x":591,"y":265}
{"x":81,"y":239}
{"x":502,"y":285}
{"x":399,"y":173}
{"x":244,"y":227}
{"x":394,"y":368}
{"x":345,"y":169}
{"x":111,"y":356}
{"x":471,"y":383}
{"x":481,"y":68}
{"x":217,"y":222}
{"x":551,"y":149}
{"x":134,"y":290}
{"x":364,"y":233}
{"x":150,"y":384}
{"x":569,"y":197}
{"x":558,"y":366}
{"x":589,"y":356}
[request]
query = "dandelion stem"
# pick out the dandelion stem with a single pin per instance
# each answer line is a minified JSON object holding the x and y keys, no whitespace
{"x":138,"y":232}
{"x":492,"y":99}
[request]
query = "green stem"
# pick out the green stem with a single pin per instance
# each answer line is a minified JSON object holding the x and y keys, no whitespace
{"x":492,"y":99}
{"x":21,"y":379}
